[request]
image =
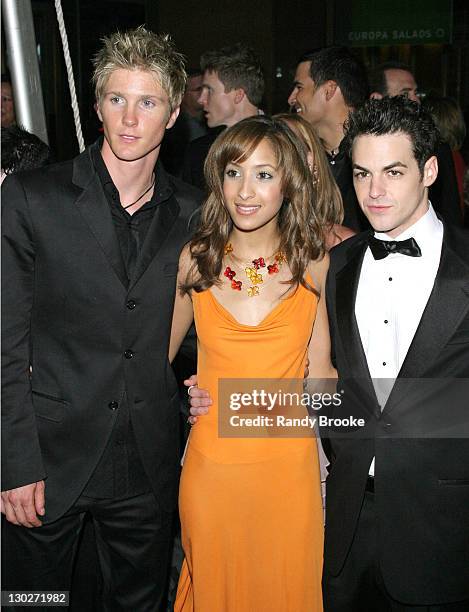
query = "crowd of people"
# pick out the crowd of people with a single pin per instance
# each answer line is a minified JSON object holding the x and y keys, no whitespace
{"x":312,"y":251}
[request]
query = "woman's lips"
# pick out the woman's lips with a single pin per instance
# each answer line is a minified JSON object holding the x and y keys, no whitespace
{"x":243,"y":209}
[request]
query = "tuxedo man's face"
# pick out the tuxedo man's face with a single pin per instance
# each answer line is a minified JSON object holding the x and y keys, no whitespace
{"x":390,"y":188}
{"x":135,"y":112}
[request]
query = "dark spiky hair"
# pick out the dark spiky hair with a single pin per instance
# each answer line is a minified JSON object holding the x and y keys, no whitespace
{"x":396,"y":115}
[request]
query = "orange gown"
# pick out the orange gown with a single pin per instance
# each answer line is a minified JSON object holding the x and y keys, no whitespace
{"x":250,"y":508}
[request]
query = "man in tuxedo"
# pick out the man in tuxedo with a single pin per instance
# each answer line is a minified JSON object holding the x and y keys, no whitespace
{"x":397,"y":522}
{"x":90,"y":403}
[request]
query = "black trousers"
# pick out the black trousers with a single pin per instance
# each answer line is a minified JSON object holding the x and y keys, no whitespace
{"x":133,"y":540}
{"x":360,"y":587}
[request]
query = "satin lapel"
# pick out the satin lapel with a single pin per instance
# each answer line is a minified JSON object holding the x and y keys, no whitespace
{"x":94,"y":208}
{"x":446,"y":307}
{"x":163,"y":220}
{"x":346,"y":293}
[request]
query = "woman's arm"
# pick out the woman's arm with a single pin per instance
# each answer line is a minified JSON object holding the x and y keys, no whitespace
{"x":183,"y":313}
{"x":319,"y":351}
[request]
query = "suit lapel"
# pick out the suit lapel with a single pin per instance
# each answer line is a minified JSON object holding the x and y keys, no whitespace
{"x":346,"y":293}
{"x":446,"y":307}
{"x":163,"y":220}
{"x":94,"y":209}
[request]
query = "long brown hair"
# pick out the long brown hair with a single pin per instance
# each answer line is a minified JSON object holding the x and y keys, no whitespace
{"x":327,"y":198}
{"x":301,"y":234}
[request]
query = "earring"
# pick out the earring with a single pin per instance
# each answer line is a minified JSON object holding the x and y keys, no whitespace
{"x":315,"y":175}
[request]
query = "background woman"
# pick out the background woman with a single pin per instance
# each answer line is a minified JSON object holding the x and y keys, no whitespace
{"x":449,"y":120}
{"x":253,"y":277}
{"x":326,"y":195}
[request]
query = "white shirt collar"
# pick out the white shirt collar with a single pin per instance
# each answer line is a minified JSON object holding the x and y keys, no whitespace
{"x":426,"y":231}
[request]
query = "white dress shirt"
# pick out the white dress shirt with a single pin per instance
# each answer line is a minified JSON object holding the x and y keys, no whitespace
{"x":391,"y":297}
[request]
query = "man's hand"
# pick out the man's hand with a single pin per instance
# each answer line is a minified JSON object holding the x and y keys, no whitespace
{"x":199,"y":399}
{"x":21,"y":505}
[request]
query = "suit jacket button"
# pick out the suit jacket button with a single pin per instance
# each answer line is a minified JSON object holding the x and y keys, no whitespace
{"x":131,"y":304}
{"x":128,"y":354}
{"x":113,"y":405}
{"x":378,"y":413}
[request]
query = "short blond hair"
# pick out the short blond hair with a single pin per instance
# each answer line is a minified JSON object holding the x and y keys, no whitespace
{"x":141,"y":49}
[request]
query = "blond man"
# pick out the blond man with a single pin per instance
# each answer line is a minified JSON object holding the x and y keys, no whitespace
{"x":90,"y":252}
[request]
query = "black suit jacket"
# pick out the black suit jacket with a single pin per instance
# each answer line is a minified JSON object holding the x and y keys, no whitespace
{"x":421,"y":485}
{"x":90,"y":336}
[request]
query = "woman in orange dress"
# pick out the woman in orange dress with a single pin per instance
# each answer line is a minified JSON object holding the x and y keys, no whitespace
{"x":253,"y":278}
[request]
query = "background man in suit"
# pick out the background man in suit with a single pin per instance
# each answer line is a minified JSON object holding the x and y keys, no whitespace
{"x":397,"y":526}
{"x":396,"y":79}
{"x":90,"y":255}
{"x":329,"y":84}
{"x":232,"y":89}
{"x":189,"y":126}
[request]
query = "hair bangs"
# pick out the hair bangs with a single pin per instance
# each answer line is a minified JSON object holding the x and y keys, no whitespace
{"x":241,"y":148}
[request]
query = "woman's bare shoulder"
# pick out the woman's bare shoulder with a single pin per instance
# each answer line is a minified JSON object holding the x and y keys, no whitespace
{"x":338,"y":234}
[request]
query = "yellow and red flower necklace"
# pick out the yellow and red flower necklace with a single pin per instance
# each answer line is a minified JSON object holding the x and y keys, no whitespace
{"x":253,"y":270}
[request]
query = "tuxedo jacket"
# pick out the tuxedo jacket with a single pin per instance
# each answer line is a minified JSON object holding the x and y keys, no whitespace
{"x":421,"y":485}
{"x":92,"y":338}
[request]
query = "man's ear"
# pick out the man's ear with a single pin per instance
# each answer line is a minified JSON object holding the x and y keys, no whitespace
{"x":239,"y":95}
{"x":172,"y":117}
{"x":330,"y":87}
{"x":98,"y":112}
{"x":376,"y":96}
{"x":430,"y":171}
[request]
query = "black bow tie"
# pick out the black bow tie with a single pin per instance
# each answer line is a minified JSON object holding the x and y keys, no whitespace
{"x":382,"y":248}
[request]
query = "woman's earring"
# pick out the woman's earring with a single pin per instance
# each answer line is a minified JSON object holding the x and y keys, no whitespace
{"x":314,"y":170}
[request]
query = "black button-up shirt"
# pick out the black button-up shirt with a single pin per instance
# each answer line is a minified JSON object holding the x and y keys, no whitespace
{"x":120,"y":472}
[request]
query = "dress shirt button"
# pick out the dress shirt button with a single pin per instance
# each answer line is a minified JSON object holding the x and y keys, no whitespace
{"x":128,"y":354}
{"x":131,"y":304}
{"x":390,"y":278}
{"x":384,"y":363}
{"x":386,"y":321}
{"x":113,"y":405}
